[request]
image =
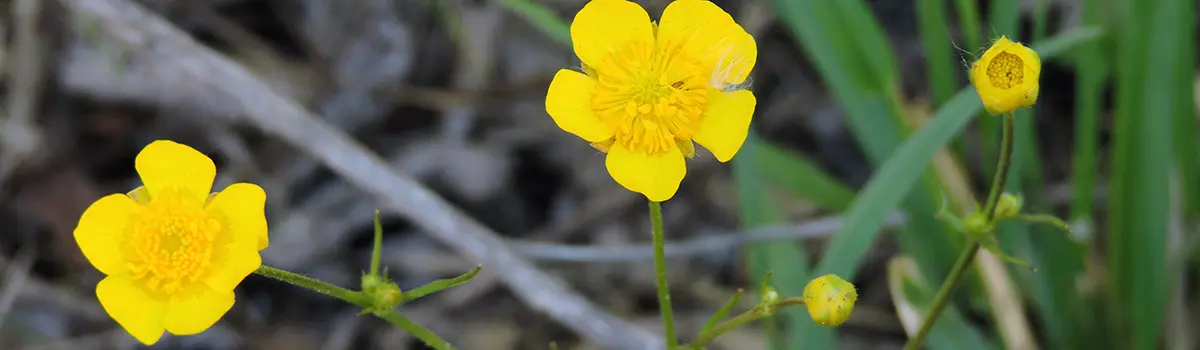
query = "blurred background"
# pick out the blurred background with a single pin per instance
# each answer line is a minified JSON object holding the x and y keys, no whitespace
{"x":866,"y":125}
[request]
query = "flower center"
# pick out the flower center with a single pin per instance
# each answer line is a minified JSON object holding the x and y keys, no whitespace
{"x":652,"y":97}
{"x":1006,"y":70}
{"x":172,"y":243}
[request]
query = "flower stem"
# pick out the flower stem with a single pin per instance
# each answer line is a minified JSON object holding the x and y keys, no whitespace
{"x":377,"y":249}
{"x":969,"y":251}
{"x":741,"y":319}
{"x":660,"y":275}
{"x":356,"y":298}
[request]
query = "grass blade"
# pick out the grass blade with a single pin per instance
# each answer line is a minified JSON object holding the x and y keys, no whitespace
{"x":935,"y":35}
{"x":801,"y":176}
{"x":790,"y":263}
{"x":1148,"y":100}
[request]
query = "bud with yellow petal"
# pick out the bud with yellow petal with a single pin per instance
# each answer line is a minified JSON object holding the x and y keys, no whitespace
{"x":1006,"y":76}
{"x":830,"y":299}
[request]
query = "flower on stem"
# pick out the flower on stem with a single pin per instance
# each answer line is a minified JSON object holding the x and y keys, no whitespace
{"x":648,"y":91}
{"x":1006,"y":76}
{"x":172,"y":253}
{"x":830,"y":300}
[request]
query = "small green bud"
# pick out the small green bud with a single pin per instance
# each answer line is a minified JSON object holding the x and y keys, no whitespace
{"x":976,"y":224}
{"x":769,"y":296}
{"x":830,"y":300}
{"x":1008,"y":206}
{"x":385,"y":294}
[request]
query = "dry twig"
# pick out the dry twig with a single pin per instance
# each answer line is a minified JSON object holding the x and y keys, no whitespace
{"x":166,"y":57}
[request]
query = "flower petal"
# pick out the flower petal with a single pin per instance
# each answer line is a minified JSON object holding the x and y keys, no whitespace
{"x":603,"y":26}
{"x":196,"y":309}
{"x":102,"y":229}
{"x":655,"y":176}
{"x":569,"y":103}
{"x":136,"y":311}
{"x":708,"y":33}
{"x":165,"y":164}
{"x":726,"y":122}
{"x":243,"y":204}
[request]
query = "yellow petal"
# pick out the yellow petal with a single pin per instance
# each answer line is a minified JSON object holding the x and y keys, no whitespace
{"x":655,"y":176}
{"x":710,"y":35}
{"x":603,"y":26}
{"x":102,"y":229}
{"x":196,"y":309}
{"x":165,"y":164}
{"x":999,"y":99}
{"x":243,"y":204}
{"x":569,"y":103}
{"x":726,"y":122}
{"x":137,"y":312}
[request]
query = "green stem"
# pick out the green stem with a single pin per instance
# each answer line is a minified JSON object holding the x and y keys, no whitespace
{"x":969,"y":251}
{"x":741,"y":319}
{"x":377,"y":249}
{"x":356,"y":298}
{"x":660,"y":274}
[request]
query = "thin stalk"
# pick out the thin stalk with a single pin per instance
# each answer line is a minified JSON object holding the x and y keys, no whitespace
{"x":969,"y":251}
{"x":362,"y":300}
{"x":660,"y":274}
{"x":377,"y":248}
{"x":751,"y":315}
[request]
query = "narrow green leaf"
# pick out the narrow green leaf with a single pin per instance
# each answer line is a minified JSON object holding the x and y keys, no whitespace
{"x":1148,"y":101}
{"x":799,"y":175}
{"x":542,"y":18}
{"x":789,"y":263}
{"x":891,"y":182}
{"x":935,"y":35}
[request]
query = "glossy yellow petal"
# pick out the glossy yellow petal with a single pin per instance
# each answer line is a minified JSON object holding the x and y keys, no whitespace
{"x":103,"y":228}
{"x":1006,"y":76}
{"x":196,"y":309}
{"x":604,"y":26}
{"x":243,"y":207}
{"x":726,"y":122}
{"x":569,"y":103}
{"x":166,"y":164}
{"x":709,"y":34}
{"x":137,"y":312}
{"x":655,"y":176}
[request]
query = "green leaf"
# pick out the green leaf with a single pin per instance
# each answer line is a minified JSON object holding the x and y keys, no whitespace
{"x":1148,"y":100}
{"x":789,"y":263}
{"x":935,"y":35}
{"x":801,"y":176}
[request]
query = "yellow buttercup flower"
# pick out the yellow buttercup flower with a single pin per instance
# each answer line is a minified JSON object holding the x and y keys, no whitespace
{"x":1006,"y":76}
{"x":830,"y":300}
{"x":171,"y":252}
{"x":650,"y":90}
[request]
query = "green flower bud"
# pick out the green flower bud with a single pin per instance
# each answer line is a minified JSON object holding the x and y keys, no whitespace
{"x":830,"y":300}
{"x":1008,"y":206}
{"x":976,"y":224}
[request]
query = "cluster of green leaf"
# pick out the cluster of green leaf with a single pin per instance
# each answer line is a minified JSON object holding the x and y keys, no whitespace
{"x":1154,"y":154}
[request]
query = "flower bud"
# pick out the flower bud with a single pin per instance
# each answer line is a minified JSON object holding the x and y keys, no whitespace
{"x":830,"y":300}
{"x":976,"y":224}
{"x":1008,"y":206}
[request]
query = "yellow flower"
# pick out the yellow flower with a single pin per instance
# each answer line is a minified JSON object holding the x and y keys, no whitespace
{"x":171,"y":252}
{"x":830,"y":299}
{"x":1006,"y":77}
{"x":650,"y":90}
